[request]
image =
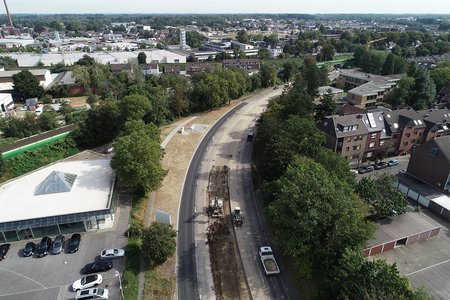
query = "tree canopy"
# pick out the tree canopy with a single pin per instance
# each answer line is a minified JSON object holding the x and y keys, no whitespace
{"x":137,"y":158}
{"x":27,"y":84}
{"x":158,"y":243}
{"x":381,"y":195}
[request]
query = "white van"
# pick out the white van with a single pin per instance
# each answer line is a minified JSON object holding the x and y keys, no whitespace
{"x":95,"y":293}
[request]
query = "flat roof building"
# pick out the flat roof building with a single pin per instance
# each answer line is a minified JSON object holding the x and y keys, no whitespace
{"x":402,"y":230}
{"x":68,"y":193}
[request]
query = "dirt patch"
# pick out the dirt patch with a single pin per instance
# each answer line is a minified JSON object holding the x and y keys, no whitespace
{"x":229,"y":282}
{"x":77,"y":102}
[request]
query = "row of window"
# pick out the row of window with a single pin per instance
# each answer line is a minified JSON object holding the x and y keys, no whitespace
{"x":371,"y":145}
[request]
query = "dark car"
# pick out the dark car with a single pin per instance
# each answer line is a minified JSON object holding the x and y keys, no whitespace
{"x":98,"y":266}
{"x":29,"y":249}
{"x":3,"y":250}
{"x":380,"y":165}
{"x":58,"y":244}
{"x":44,"y":246}
{"x":74,"y":243}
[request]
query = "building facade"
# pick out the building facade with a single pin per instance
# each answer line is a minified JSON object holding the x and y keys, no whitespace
{"x":430,"y":163}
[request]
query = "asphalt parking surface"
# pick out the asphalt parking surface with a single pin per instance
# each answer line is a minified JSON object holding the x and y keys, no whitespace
{"x":51,"y":277}
{"x":402,"y":165}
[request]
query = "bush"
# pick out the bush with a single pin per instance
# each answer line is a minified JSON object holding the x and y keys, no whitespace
{"x":158,"y":243}
{"x":135,"y":230}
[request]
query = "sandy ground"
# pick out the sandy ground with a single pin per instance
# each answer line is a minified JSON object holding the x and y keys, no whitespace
{"x":77,"y":101}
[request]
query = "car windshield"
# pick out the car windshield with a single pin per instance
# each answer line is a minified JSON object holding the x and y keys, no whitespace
{"x":57,"y":244}
{"x":116,"y":251}
{"x":42,"y":246}
{"x":100,"y":292}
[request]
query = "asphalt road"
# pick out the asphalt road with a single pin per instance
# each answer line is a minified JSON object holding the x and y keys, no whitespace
{"x":228,"y":136}
{"x":187,"y":271}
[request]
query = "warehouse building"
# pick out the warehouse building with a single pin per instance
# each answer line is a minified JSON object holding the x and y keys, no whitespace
{"x":72,"y":195}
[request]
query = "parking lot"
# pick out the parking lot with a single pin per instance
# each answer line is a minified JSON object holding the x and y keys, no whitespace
{"x":51,"y":277}
{"x":402,"y":165}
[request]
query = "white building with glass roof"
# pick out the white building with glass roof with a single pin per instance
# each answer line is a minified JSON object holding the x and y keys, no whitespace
{"x":70,"y":193}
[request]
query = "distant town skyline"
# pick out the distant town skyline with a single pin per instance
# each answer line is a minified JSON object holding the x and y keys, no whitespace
{"x":230,"y":6}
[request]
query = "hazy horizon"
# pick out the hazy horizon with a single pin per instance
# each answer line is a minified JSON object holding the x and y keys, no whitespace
{"x":230,"y":7}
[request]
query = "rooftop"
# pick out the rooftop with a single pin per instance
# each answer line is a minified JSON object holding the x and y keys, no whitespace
{"x":402,"y":226}
{"x":90,"y":191}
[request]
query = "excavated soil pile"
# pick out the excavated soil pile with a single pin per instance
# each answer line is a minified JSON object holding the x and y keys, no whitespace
{"x":229,"y":281}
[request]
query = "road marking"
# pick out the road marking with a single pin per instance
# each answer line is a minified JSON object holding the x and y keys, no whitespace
{"x":21,"y":275}
{"x":429,"y":267}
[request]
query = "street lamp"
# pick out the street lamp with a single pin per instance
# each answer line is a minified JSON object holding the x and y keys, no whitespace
{"x":117,"y":274}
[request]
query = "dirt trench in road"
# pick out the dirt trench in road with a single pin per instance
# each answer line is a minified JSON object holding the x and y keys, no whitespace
{"x":226,"y":266}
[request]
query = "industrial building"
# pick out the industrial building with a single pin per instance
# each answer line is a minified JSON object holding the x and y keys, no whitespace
{"x":72,"y":195}
{"x":68,"y":59}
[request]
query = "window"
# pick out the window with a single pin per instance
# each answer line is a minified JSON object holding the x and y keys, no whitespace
{"x":349,"y":139}
{"x":369,"y":154}
{"x":405,"y":144}
{"x":357,"y":147}
{"x":347,"y":148}
{"x":415,"y":131}
{"x":371,"y":145}
{"x":373,"y":136}
{"x":434,"y":151}
{"x":382,"y":143}
{"x":355,"y":138}
{"x":408,"y":134}
{"x":413,"y":141}
{"x":360,"y":137}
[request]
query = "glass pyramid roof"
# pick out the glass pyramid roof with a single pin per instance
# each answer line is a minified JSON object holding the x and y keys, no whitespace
{"x":56,"y":182}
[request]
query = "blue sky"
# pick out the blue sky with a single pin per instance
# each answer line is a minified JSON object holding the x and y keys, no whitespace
{"x":228,"y":6}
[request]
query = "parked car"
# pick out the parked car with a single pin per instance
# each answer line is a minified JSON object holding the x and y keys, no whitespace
{"x":366,"y":169}
{"x":354,"y":171}
{"x":4,"y":250}
{"x":87,"y":282}
{"x":74,"y":243}
{"x":58,"y":244}
{"x":96,"y":293}
{"x":392,"y":162}
{"x":380,"y":165}
{"x":44,"y":246}
{"x":29,"y":249}
{"x":112,"y":253}
{"x":98,"y":266}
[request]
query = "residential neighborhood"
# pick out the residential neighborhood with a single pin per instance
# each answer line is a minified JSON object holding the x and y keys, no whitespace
{"x":224,"y":151}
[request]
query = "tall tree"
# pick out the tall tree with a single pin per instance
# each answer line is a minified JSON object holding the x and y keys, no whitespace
{"x":142,"y":58}
{"x":158,"y":243}
{"x":326,"y":107}
{"x":27,"y":84}
{"x":315,"y":216}
{"x":358,"y":279}
{"x":425,"y":90}
{"x":268,"y":75}
{"x":137,"y":158}
{"x":327,"y":52}
{"x":242,"y":36}
{"x":382,"y":197}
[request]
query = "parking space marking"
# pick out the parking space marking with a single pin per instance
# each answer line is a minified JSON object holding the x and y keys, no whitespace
{"x":21,"y":275}
{"x":429,"y":267}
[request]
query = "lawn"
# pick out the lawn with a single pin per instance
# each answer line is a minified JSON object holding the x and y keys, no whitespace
{"x":132,"y":269}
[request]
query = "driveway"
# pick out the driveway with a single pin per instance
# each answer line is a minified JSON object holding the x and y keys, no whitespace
{"x":50,"y":277}
{"x":426,"y":263}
